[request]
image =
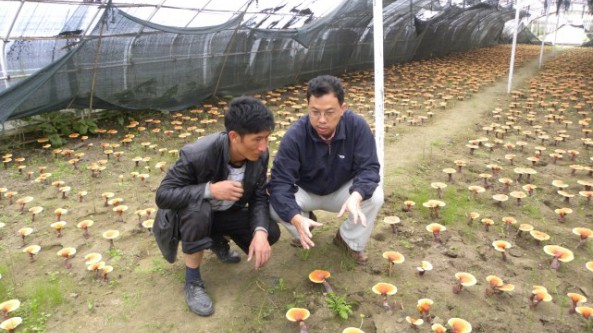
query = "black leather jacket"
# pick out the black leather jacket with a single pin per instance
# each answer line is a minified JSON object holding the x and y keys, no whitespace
{"x":205,"y":161}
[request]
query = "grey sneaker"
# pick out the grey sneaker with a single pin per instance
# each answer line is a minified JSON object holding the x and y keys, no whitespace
{"x":224,"y":253}
{"x":197,"y":299}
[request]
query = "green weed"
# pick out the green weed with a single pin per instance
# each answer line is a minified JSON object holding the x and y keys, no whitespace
{"x":339,"y":305}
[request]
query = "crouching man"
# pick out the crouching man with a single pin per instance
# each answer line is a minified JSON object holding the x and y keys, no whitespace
{"x":217,"y":188}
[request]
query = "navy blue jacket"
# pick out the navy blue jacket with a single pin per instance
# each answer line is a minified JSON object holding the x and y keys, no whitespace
{"x":305,"y":160}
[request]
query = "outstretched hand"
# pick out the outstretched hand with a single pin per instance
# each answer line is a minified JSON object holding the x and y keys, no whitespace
{"x":303,"y":226}
{"x":352,"y":205}
{"x":260,"y":248}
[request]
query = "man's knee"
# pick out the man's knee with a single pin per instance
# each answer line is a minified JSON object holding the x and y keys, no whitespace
{"x":195,"y":225}
{"x":377,"y":199}
{"x":273,"y":232}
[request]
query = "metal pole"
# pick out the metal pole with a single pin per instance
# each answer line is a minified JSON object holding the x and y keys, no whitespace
{"x":512,"y":65}
{"x":541,"y":51}
{"x":379,"y":89}
{"x":557,"y":23}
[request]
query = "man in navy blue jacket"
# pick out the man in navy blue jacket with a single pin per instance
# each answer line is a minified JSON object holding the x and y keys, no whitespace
{"x":327,"y":160}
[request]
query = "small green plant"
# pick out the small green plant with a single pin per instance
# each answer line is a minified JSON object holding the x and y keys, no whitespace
{"x":339,"y":305}
{"x":304,"y":255}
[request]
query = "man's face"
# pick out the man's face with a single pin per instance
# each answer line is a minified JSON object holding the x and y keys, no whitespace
{"x":325,"y":113}
{"x":249,"y":146}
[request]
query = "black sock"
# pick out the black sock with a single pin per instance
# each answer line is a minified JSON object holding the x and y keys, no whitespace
{"x":192,"y":275}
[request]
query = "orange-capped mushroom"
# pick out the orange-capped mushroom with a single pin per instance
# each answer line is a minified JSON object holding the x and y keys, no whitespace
{"x":559,"y":253}
{"x":502,"y":246}
{"x":11,"y":324}
{"x":298,"y":315}
{"x":463,"y":279}
{"x":459,"y":325}
{"x":575,"y":299}
{"x":436,"y":229}
{"x":321,"y":276}
{"x":583,"y":234}
{"x":385,"y":289}
{"x":9,"y":306}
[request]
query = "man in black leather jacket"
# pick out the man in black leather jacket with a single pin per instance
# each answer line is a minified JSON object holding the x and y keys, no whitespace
{"x":217,"y":188}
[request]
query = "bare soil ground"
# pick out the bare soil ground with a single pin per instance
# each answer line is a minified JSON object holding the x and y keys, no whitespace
{"x":145,"y":294}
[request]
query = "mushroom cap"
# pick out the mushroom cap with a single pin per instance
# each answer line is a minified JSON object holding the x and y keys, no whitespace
{"x":96,"y":266}
{"x":509,"y":220}
{"x":506,"y":287}
{"x":563,"y":254}
{"x":61,"y":211}
{"x":107,"y":269}
{"x":474,"y":215}
{"x":539,"y":235}
{"x":494,"y":280}
{"x":148,"y":223}
{"x":506,"y":180}
{"x":565,"y":194}
{"x":67,"y":252}
{"x":10,"y":305}
{"x":518,"y":194}
{"x":120,"y":208}
{"x":476,"y":189}
{"x":586,"y":194}
{"x":501,"y":245}
{"x":424,"y":304}
{"x":466,"y":279}
{"x":25,"y":200}
{"x":500,"y":197}
{"x":11,"y":323}
{"x":414,"y":321}
{"x":487,"y":221}
{"x":115,"y":201}
{"x":352,"y":330}
{"x":438,"y":185}
{"x":525,"y":227}
{"x":424,"y":266}
{"x":85,"y":224}
{"x":394,"y":257}
{"x":583,"y":232}
{"x":449,"y":170}
{"x":108,"y":194}
{"x":26,"y":231}
{"x":435,"y":227}
{"x":409,"y":203}
{"x":58,"y":225}
{"x":558,"y":183}
{"x":589,"y":265}
{"x":111,"y":234}
{"x":576,"y":298}
{"x":297,"y":314}
{"x":383,"y":288}
{"x":36,"y":209}
{"x":318,"y":276}
{"x":459,"y":325}
{"x":32,"y":249}
{"x":438,"y":328}
{"x":92,"y":258}
{"x":542,"y":294}
{"x":434,"y":204}
{"x":584,"y":311}
{"x":391,"y":219}
{"x":563,"y":211}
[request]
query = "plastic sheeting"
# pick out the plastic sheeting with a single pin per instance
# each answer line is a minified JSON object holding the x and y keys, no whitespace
{"x":137,"y":65}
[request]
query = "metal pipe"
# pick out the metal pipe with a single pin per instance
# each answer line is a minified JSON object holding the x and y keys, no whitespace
{"x":541,"y":51}
{"x":379,"y":83}
{"x":514,"y":48}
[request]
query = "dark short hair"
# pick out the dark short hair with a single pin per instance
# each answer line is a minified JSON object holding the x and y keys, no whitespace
{"x":325,"y":84}
{"x":247,"y":115}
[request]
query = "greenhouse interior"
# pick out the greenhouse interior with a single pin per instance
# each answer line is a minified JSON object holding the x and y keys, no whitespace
{"x":480,"y":114}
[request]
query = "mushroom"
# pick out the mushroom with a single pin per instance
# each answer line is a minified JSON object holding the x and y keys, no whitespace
{"x":299,"y":315}
{"x":575,"y":299}
{"x":34,"y":211}
{"x":439,"y":187}
{"x":501,"y":246}
{"x":518,"y":195}
{"x":435,"y":206}
{"x":471,"y":217}
{"x":110,"y":235}
{"x":64,"y":190}
{"x":58,"y":226}
{"x":32,"y":250}
{"x":107,"y":196}
{"x":507,"y":183}
{"x":10,"y":196}
{"x":485,"y":177}
{"x":539,"y":236}
{"x":352,"y":330}
{"x":119,"y":210}
{"x":140,"y":213}
{"x":566,"y":195}
{"x":105,"y":272}
{"x":539,"y":294}
{"x":460,"y":164}
{"x":475,"y":190}
{"x":559,"y":253}
{"x":424,"y":267}
{"x":423,"y":307}
{"x":562,"y":212}
{"x":487,"y":223}
{"x":500,"y":198}
{"x":393,"y":257}
{"x":321,"y":276}
{"x":11,"y":324}
{"x":585,"y":311}
{"x":9,"y":306}
{"x":148,"y":224}
{"x":586,"y":194}
{"x":393,"y":221}
{"x":81,"y":195}
{"x":67,"y":253}
{"x":459,"y":325}
{"x":524,"y":227}
{"x":508,"y":220}
{"x":463,"y":280}
{"x":408,"y":204}
{"x":449,"y":172}
{"x":385,"y":289}
{"x":59,"y":212}
{"x":497,"y":286}
{"x":529,"y":188}
{"x":96,"y":267}
{"x":414,"y":322}
{"x":92,"y":258}
{"x":436,"y":229}
{"x":22,"y":202}
{"x":24,"y":232}
{"x":438,"y":328}
{"x":583,"y":233}
{"x":84,"y":225}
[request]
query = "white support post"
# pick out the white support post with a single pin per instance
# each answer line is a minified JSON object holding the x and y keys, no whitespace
{"x":557,"y":24}
{"x":541,"y":51}
{"x":514,"y":48}
{"x":379,"y":88}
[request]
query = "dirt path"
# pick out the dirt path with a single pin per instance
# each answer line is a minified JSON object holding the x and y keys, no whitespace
{"x":418,"y":143}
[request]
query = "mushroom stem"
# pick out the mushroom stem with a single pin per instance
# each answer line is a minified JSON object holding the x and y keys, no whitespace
{"x":328,"y":288}
{"x":85,"y":234}
{"x":67,"y":263}
{"x":457,"y":288}
{"x":111,"y":245}
{"x":394,"y":229}
{"x":31,"y":257}
{"x":386,"y":305}
{"x":581,"y":242}
{"x":303,"y":327}
{"x":555,"y":264}
{"x":436,"y":237}
{"x":504,"y":256}
{"x":572,"y":308}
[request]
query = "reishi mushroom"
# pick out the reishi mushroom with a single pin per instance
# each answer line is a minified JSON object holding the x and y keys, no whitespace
{"x":424,"y":267}
{"x":559,"y":253}
{"x":84,"y":225}
{"x":9,"y":306}
{"x":575,"y":299}
{"x":463,"y":280}
{"x":32,"y":250}
{"x":393,"y":221}
{"x":393,"y":257}
{"x":67,"y":253}
{"x":111,"y":235}
{"x":423,"y":307}
{"x":11,"y":324}
{"x":539,"y":294}
{"x":459,"y":325}
{"x":321,"y":276}
{"x":436,"y":229}
{"x":299,"y":315}
{"x":583,"y":234}
{"x":384,"y":289}
{"x":501,"y":246}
